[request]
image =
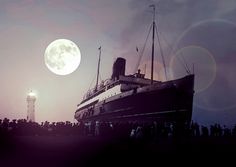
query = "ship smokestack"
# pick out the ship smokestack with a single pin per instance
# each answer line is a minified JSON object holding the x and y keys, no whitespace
{"x":118,"y":68}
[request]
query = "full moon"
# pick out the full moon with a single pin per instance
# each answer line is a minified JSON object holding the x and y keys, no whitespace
{"x":62,"y":57}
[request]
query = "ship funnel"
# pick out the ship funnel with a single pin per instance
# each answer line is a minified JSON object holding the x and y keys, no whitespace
{"x":118,"y":68}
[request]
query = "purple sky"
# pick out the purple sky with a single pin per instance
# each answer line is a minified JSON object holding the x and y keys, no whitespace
{"x":190,"y":27}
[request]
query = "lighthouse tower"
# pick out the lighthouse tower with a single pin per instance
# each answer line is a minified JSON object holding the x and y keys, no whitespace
{"x":31,"y":98}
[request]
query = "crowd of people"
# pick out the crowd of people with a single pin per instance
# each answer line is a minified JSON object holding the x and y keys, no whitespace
{"x":134,"y":130}
{"x":23,"y":127}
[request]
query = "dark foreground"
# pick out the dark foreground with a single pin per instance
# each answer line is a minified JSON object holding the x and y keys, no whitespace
{"x":107,"y":151}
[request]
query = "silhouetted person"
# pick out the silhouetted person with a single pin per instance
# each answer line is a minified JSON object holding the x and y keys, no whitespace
{"x":205,"y":132}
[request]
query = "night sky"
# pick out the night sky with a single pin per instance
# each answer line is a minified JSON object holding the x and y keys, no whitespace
{"x":202,"y":33}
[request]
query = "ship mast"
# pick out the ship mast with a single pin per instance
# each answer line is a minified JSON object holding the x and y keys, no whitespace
{"x":153,"y":40}
{"x":96,"y":87}
{"x":154,"y":27}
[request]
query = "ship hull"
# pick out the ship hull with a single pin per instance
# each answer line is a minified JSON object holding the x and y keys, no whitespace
{"x":169,"y":101}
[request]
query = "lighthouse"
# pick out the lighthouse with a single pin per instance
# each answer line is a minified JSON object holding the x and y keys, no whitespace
{"x":31,"y":98}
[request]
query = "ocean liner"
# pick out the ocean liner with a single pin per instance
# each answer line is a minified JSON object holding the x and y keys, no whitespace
{"x":136,"y":98}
